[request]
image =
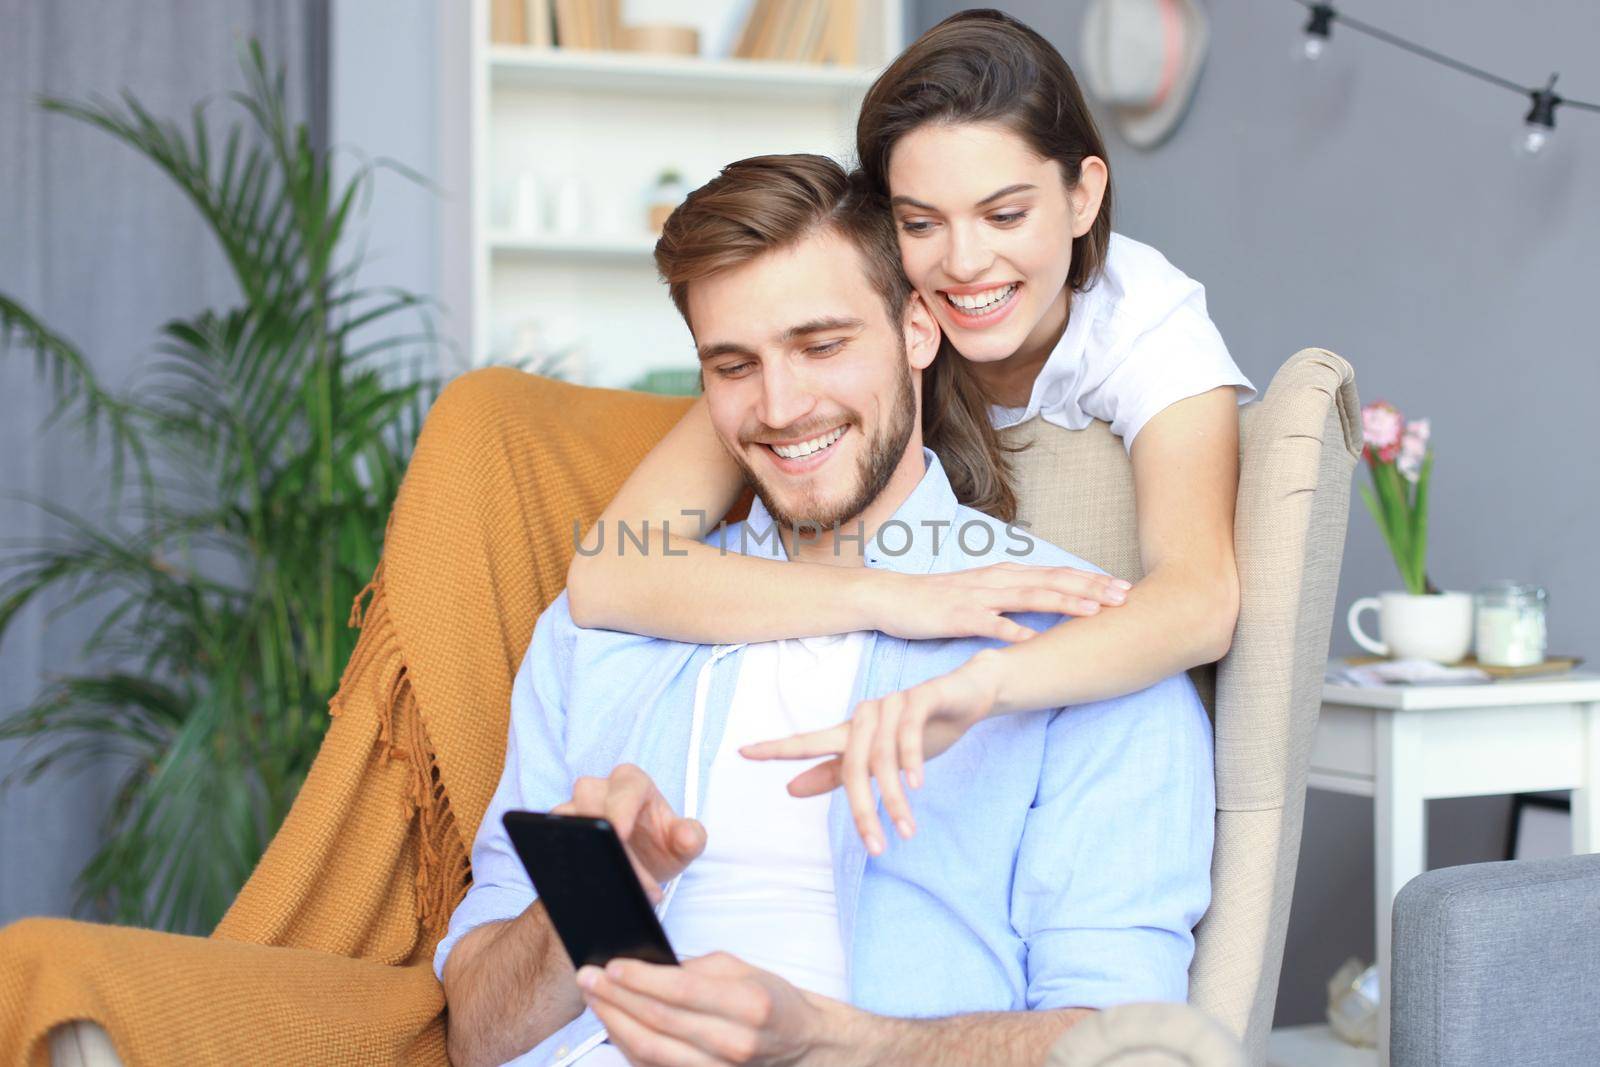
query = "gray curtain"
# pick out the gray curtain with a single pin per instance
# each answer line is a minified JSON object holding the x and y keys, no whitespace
{"x":103,"y":248}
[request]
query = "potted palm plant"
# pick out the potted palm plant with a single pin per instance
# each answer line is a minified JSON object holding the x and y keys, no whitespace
{"x":252,"y":471}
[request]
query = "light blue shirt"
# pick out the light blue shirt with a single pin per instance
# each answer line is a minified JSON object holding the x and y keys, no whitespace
{"x":1061,"y":859}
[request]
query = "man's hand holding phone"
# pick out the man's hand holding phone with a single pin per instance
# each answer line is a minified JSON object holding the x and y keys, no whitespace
{"x":659,"y":842}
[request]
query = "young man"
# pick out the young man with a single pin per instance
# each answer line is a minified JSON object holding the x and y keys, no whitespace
{"x":1062,"y":857}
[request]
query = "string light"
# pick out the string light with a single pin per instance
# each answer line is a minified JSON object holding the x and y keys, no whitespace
{"x":1537,"y":126}
{"x":1541,"y":120}
{"x":1318,"y":29}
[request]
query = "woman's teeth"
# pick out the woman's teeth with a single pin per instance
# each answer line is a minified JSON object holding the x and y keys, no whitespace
{"x":805,"y":448}
{"x":980,"y":303}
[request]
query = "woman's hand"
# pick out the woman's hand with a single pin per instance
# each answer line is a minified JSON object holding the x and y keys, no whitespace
{"x":973,"y":603}
{"x":887,"y":736}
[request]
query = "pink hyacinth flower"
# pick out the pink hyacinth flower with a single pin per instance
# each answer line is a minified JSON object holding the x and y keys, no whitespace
{"x":1409,"y":463}
{"x":1381,"y":430}
{"x":1413,"y":448}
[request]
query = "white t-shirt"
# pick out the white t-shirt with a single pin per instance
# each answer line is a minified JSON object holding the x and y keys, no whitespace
{"x":763,"y":888}
{"x":1137,"y":341}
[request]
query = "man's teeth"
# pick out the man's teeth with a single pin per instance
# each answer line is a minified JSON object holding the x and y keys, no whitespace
{"x":980,"y":301}
{"x":805,"y":448}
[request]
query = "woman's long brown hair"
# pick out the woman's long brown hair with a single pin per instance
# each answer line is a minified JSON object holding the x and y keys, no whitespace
{"x":983,"y":66}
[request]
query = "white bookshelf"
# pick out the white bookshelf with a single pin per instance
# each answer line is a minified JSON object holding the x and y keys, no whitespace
{"x":623,"y":248}
{"x":609,"y":123}
{"x":511,"y":67}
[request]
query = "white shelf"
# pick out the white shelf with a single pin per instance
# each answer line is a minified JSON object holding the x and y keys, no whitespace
{"x":624,"y":248}
{"x":512,"y":66}
{"x":612,"y":122}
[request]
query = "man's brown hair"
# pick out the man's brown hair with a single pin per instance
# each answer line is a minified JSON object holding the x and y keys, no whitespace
{"x":768,"y":203}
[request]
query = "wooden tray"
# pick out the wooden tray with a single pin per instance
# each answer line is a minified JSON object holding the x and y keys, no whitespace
{"x":1551,"y":665}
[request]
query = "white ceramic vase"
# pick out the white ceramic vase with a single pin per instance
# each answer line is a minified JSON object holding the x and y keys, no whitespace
{"x":1434,"y":626}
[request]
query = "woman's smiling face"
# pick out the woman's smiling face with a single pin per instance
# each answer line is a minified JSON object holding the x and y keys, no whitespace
{"x":986,"y":228}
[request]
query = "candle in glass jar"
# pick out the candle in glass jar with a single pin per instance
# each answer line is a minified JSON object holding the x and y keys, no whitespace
{"x":1510,"y":625}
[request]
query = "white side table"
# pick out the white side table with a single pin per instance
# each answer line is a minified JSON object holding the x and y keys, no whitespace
{"x":1405,"y":745}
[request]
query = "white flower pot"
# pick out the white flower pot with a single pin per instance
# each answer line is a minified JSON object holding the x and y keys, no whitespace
{"x":1435,"y":626}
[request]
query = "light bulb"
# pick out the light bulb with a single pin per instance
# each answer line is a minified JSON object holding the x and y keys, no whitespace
{"x":1532,"y":138}
{"x":1317,"y":31}
{"x":1540,"y":122}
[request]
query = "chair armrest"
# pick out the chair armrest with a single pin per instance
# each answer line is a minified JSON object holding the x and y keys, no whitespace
{"x":82,"y":1044}
{"x":1147,"y":1035}
{"x":1498,"y":963}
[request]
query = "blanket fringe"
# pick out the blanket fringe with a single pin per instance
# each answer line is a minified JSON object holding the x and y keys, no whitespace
{"x":442,"y":857}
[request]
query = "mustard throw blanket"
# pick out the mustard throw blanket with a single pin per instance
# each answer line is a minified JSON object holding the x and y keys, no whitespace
{"x":326,"y":956}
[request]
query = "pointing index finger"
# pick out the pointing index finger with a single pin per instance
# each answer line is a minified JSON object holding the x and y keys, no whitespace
{"x":829,"y":742}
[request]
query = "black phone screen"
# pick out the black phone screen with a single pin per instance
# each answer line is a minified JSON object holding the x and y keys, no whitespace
{"x":588,"y":887}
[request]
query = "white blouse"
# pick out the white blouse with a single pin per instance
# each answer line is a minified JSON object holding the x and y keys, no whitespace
{"x":1136,"y":341}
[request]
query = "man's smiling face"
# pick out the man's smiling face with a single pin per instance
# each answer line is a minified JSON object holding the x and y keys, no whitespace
{"x":807,"y":381}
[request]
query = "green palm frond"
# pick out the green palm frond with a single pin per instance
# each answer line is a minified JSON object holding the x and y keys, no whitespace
{"x":270,"y":438}
{"x":77,"y":391}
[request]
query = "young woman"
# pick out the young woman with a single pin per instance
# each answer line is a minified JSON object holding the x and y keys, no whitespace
{"x":981,"y":144}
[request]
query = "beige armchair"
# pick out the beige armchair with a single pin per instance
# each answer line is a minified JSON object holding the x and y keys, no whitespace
{"x":1298,"y":448}
{"x":1299,"y":445}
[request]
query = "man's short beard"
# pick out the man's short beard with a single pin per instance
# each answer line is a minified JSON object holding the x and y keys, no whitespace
{"x":877,"y":465}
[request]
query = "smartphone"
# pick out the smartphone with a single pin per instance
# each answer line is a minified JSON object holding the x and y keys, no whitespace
{"x":589,"y":888}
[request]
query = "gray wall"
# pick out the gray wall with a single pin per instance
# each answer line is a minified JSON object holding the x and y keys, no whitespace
{"x":398,"y":84}
{"x":1375,"y":207}
{"x":104,"y":248}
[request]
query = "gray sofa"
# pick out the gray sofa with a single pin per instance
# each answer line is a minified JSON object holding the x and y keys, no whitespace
{"x":1498,"y":963}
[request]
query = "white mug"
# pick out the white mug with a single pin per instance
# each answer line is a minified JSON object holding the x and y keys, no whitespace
{"x":1434,"y":626}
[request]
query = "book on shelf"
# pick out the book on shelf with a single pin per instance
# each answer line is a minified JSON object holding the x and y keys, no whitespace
{"x":746,"y":38}
{"x":793,"y":39}
{"x":842,"y":40}
{"x":608,"y":23}
{"x":569,"y":32}
{"x":755,"y":30}
{"x":809,"y":48}
{"x":800,"y":31}
{"x":792,"y":31}
{"x":525,"y":22}
{"x":508,"y":22}
{"x":589,"y":25}
{"x":540,"y":17}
